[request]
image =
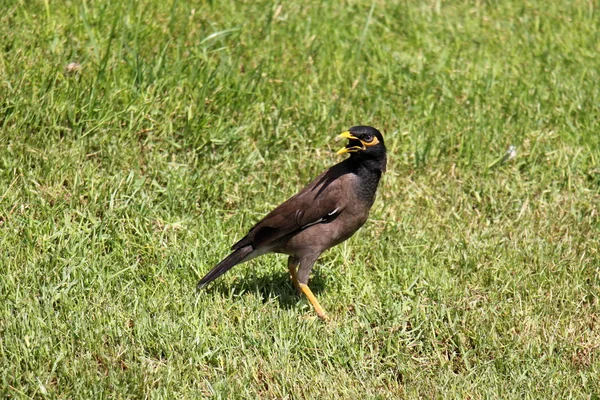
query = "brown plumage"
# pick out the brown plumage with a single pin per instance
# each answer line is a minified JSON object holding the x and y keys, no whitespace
{"x":326,"y":212}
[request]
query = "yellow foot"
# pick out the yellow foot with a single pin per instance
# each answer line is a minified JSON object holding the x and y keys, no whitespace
{"x":313,"y":300}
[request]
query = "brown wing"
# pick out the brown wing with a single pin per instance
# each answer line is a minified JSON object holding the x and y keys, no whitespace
{"x":321,"y":201}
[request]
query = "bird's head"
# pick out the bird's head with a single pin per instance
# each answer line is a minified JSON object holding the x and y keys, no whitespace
{"x":364,"y":142}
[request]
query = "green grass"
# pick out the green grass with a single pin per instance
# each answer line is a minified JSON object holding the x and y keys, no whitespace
{"x":122,"y":183}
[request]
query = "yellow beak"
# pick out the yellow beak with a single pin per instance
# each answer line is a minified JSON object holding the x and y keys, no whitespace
{"x":346,"y":135}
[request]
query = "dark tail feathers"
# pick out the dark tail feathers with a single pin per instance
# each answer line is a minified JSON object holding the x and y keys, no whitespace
{"x":229,"y":262}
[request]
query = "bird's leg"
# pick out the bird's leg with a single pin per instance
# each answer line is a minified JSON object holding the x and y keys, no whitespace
{"x":313,"y":300}
{"x":292,"y":264}
{"x":302,"y":279}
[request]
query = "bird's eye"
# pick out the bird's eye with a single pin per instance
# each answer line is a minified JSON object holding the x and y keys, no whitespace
{"x":368,"y":138}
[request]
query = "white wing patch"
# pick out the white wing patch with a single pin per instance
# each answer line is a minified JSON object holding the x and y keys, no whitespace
{"x":329,"y":215}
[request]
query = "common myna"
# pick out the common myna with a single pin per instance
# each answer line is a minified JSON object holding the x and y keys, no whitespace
{"x":323,"y":214}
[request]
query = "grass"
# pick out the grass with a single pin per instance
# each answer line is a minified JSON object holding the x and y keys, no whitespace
{"x":121,"y":183}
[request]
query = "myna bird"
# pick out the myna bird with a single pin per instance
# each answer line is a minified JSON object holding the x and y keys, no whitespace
{"x":323,"y":214}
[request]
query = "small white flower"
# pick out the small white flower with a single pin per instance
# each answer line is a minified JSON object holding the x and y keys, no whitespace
{"x":511,"y":152}
{"x":73,"y":67}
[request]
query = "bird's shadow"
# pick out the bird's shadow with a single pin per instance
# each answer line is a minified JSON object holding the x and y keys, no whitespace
{"x":276,"y":285}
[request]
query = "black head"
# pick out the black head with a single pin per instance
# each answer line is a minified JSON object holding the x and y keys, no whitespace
{"x":365,"y":143}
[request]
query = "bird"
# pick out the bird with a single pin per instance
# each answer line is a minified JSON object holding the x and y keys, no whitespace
{"x":326,"y":212}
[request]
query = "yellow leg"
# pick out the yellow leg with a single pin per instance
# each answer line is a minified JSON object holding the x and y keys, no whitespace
{"x":313,"y":300}
{"x":292,"y":269}
{"x":301,"y":287}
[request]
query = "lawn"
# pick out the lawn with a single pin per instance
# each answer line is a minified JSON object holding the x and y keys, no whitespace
{"x":140,"y":140}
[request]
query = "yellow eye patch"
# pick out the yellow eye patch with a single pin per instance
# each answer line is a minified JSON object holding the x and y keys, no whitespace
{"x":372,"y":142}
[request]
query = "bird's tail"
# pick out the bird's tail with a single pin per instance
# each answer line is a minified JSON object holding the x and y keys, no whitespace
{"x":229,"y":262}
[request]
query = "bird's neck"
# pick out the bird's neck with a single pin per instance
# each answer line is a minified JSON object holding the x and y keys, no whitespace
{"x":369,"y":172}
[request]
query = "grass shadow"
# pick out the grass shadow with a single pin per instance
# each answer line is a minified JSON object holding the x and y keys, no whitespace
{"x":274,"y":285}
